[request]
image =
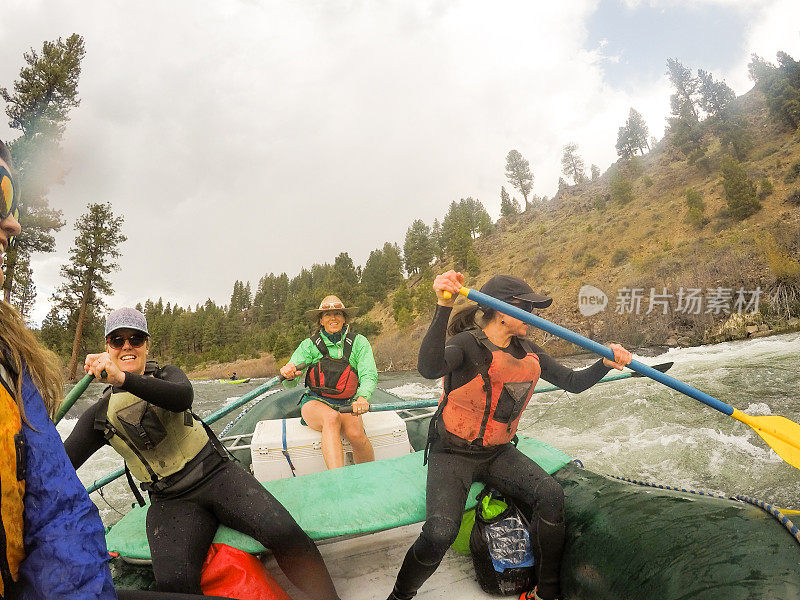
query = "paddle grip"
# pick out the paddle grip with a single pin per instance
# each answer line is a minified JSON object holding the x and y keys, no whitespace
{"x":299,"y":367}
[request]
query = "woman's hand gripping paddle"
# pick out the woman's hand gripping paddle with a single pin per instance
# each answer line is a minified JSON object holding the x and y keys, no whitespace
{"x":780,"y":433}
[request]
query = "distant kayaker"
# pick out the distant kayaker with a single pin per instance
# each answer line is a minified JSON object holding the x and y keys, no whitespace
{"x":342,"y":373}
{"x":489,"y":371}
{"x":52,"y":542}
{"x":145,"y":414}
{"x":233,"y":376}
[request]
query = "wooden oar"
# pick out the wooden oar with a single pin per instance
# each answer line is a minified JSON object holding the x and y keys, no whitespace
{"x":409,"y":404}
{"x":212,"y":418}
{"x":780,"y":434}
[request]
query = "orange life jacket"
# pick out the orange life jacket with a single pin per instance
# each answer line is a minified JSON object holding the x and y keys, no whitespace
{"x":486,"y":410}
{"x":12,"y":485}
{"x":333,"y":378}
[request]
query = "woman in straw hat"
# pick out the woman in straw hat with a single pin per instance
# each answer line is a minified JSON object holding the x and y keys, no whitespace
{"x":341,"y":372}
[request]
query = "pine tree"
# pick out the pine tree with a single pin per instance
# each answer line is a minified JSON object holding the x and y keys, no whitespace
{"x":393,"y":265}
{"x":683,"y":101}
{"x":740,"y":191}
{"x":47,"y":89}
{"x":343,"y":278}
{"x":518,"y":173}
{"x":572,"y":164}
{"x":632,"y":136}
{"x":418,"y":247}
{"x":715,"y":96}
{"x":625,"y":147}
{"x":637,"y":131}
{"x":458,"y":235}
{"x":372,"y":281}
{"x":477,"y":219}
{"x":438,"y":240}
{"x":23,"y":290}
{"x":92,"y":259}
{"x":508,"y":207}
{"x":595,"y":172}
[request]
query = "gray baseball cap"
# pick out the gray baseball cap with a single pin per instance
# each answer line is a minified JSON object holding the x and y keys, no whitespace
{"x":126,"y":318}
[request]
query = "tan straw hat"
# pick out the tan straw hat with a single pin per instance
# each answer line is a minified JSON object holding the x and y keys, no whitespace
{"x":332,"y":303}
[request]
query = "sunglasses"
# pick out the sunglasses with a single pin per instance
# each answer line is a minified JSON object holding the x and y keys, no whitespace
{"x":136,"y":340}
{"x":523,"y":304}
{"x":9,"y":204}
{"x":331,"y":306}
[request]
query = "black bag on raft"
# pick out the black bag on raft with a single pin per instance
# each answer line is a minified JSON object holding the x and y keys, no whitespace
{"x":501,"y":546}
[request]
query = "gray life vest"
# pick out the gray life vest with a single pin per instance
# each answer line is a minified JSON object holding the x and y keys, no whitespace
{"x":155,"y":442}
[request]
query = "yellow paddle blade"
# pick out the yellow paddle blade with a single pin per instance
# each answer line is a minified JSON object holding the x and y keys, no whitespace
{"x":780,"y":433}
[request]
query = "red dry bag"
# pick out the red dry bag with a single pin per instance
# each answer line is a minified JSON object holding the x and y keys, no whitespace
{"x":233,"y":573}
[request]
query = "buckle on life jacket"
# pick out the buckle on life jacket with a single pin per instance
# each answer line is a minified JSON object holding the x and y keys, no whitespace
{"x":22,"y":455}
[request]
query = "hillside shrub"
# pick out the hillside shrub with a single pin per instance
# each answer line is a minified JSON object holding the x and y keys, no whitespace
{"x":635,"y":166}
{"x":740,"y":192}
{"x":696,"y":214}
{"x":367,"y":327}
{"x":590,"y":260}
{"x":599,"y":202}
{"x":700,"y":159}
{"x":647,"y":180}
{"x":620,"y":256}
{"x":768,"y":151}
{"x":793,"y":173}
{"x":621,"y":188}
{"x":402,"y":306}
{"x":794,"y":198}
{"x":765,"y":188}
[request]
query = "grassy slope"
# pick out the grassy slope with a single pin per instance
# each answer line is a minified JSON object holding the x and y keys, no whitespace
{"x":569,"y":243}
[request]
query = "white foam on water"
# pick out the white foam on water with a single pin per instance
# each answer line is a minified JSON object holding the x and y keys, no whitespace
{"x":417,"y":391}
{"x":758,"y":409}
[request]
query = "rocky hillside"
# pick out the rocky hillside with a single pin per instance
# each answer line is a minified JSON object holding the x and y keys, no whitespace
{"x":586,"y":235}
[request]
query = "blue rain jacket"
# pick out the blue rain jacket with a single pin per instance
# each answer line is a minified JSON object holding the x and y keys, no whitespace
{"x":65,"y":544}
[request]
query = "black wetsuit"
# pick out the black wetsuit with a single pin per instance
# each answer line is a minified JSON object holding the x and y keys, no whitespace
{"x":453,"y":467}
{"x":180,"y":527}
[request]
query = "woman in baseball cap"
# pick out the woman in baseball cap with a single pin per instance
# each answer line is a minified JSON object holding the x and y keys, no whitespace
{"x":490,"y":370}
{"x":146,"y":416}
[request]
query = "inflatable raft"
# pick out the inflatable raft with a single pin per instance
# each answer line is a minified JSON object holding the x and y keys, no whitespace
{"x":625,"y":539}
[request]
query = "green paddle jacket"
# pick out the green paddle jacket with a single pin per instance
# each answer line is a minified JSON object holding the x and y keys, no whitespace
{"x":361,"y":360}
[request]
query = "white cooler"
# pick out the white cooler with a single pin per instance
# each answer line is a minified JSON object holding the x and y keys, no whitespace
{"x":386,"y":430}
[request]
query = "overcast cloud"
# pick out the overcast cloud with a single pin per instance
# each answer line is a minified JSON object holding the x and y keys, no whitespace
{"x":239,"y":138}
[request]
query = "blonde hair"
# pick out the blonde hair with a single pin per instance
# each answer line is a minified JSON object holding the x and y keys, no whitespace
{"x":25,"y":351}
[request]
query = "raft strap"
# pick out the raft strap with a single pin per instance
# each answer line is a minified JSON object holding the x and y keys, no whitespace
{"x":286,"y":449}
{"x":768,"y":508}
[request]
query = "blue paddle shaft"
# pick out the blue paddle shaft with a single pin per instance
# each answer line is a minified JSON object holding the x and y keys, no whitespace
{"x":597,"y":348}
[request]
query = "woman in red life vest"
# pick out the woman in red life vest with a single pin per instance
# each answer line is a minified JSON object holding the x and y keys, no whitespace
{"x":489,"y":374}
{"x":341,"y":372}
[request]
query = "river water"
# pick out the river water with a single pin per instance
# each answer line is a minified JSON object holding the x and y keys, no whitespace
{"x":633,"y":428}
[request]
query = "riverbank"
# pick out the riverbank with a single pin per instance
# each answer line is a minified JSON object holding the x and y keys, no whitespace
{"x":263,"y":366}
{"x":399,"y":352}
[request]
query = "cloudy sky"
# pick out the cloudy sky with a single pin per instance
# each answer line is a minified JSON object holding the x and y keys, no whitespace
{"x":239,"y":138}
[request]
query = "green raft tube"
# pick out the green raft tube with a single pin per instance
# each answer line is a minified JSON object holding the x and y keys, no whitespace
{"x":624,"y":539}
